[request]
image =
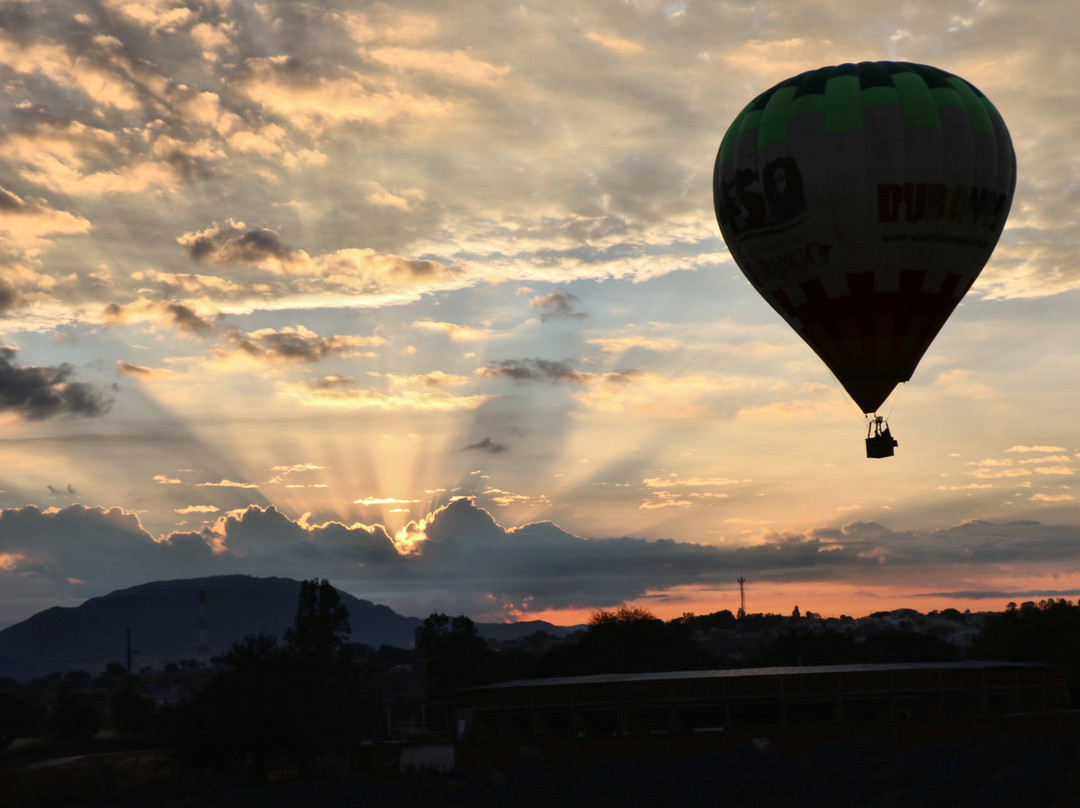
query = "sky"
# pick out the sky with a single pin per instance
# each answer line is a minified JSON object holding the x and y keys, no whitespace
{"x":429,"y":299}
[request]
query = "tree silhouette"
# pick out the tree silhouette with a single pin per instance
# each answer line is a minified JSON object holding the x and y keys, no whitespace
{"x":275,"y":703}
{"x":321,"y":626}
{"x":627,"y":640}
{"x":454,"y":654}
{"x":1045,"y":632}
{"x":245,"y":716}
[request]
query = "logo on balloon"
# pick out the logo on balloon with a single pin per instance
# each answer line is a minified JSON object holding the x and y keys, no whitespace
{"x":771,"y":200}
{"x":936,"y":201}
{"x":778,"y":267}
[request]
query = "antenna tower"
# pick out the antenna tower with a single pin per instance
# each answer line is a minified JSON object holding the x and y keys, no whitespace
{"x":742,"y":598}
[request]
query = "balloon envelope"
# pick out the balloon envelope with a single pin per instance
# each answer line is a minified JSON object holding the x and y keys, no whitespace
{"x":862,"y":201}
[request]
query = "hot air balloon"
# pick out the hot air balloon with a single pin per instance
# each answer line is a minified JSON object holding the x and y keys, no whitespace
{"x":862,"y":201}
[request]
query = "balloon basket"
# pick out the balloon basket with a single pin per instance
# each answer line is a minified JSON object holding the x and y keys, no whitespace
{"x":879,"y":440}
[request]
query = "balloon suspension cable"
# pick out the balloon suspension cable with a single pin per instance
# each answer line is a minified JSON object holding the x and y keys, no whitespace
{"x":845,"y":396}
{"x":893,"y":398}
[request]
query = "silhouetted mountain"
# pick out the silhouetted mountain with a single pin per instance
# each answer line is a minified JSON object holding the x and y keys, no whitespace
{"x":164,"y":620}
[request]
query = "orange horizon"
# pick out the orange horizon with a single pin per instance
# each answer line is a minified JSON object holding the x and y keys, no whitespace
{"x":826,"y":600}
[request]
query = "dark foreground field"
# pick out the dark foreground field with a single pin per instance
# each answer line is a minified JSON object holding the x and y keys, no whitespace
{"x":1001,"y":770}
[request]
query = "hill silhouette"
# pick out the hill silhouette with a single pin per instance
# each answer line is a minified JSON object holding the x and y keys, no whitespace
{"x":164,"y":620}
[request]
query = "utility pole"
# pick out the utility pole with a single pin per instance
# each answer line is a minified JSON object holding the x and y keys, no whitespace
{"x":742,"y":598}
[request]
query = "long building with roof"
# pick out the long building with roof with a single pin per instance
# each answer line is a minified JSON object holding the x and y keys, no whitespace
{"x":719,"y":706}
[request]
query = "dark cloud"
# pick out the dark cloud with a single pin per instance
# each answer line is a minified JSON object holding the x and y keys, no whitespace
{"x":180,"y":315}
{"x":332,"y":383}
{"x":1004,"y":595}
{"x":296,"y":344}
{"x":9,"y":296}
{"x":90,"y":550}
{"x":129,"y":369}
{"x":189,"y":168}
{"x":37,"y":393}
{"x":466,"y":561}
{"x":231,"y":245}
{"x":9,"y":203}
{"x":186,"y":319}
{"x":536,"y":370}
{"x":486,"y":445}
{"x":557,"y":306}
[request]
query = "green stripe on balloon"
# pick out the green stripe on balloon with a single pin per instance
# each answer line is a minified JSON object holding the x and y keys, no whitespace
{"x":880,"y":97}
{"x":841,"y":94}
{"x":843,"y":105}
{"x":774,"y":118}
{"x":979,"y":108}
{"x":916,"y":100}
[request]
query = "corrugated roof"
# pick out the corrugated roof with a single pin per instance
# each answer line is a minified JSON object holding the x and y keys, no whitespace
{"x":735,"y":673}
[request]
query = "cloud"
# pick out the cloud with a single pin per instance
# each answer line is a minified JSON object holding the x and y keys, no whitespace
{"x":277,"y":272}
{"x":315,"y":96}
{"x":227,"y":484}
{"x":997,"y":474}
{"x":632,"y":390}
{"x":295,"y":345}
{"x":93,"y":72}
{"x":1031,"y":461}
{"x":233,"y":243}
{"x":143,"y":372}
{"x":486,"y":445}
{"x":621,"y":344}
{"x":298,"y":467}
{"x":1045,"y":449}
{"x":460,"y":559}
{"x":346,"y":393}
{"x":9,"y":296}
{"x":557,"y":306}
{"x":99,"y":547}
{"x":422,"y":381}
{"x":664,"y":499}
{"x":456,"y":66}
{"x":28,"y":220}
{"x":643,"y":392}
{"x":458,"y":333}
{"x":159,"y":16}
{"x":184,"y":317}
{"x":37,"y":393}
{"x":692,"y":482}
{"x":534,"y":370}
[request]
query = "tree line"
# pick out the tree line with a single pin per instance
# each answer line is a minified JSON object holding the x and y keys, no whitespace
{"x":265,"y":702}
